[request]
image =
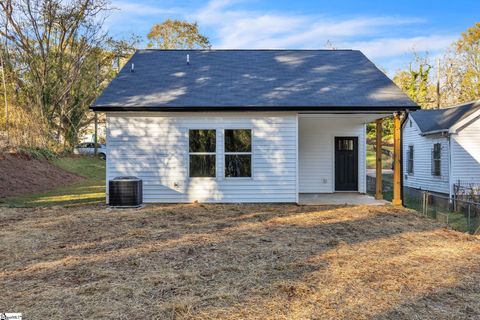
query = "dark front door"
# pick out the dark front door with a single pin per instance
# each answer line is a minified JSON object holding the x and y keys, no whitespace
{"x":346,"y":163}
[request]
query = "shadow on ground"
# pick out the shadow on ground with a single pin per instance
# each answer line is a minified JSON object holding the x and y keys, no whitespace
{"x":235,"y":261}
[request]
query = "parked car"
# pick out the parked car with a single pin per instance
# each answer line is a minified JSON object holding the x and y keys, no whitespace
{"x":88,"y":148}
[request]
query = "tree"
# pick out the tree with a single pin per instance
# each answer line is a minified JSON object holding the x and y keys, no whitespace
{"x":467,"y":49}
{"x":176,"y":34}
{"x":416,"y":82}
{"x":60,"y":59}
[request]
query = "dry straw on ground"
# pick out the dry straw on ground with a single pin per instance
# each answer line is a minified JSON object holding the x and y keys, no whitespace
{"x":235,"y":262}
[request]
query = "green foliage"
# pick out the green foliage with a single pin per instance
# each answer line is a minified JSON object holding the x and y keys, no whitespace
{"x":459,"y":72}
{"x":371,"y":158}
{"x":58,"y":61}
{"x":38,"y":153}
{"x":468,"y":50}
{"x":177,"y":34}
{"x":415,"y":81}
{"x":387,"y":134}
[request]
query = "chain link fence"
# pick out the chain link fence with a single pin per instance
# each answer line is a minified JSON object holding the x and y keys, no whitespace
{"x":461,"y":213}
{"x":387,"y":186}
{"x":467,"y":191}
{"x":458,"y":214}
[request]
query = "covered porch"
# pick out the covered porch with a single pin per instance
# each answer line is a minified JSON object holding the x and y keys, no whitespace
{"x":332,"y":158}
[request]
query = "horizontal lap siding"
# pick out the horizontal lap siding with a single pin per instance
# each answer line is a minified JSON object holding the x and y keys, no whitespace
{"x":154,"y":147}
{"x":316,"y":151}
{"x":422,"y":177}
{"x":466,"y":153}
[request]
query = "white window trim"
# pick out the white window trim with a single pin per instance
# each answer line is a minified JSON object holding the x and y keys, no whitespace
{"x":439,"y":159}
{"x":413,"y":159}
{"x":252,"y":172}
{"x":201,"y":154}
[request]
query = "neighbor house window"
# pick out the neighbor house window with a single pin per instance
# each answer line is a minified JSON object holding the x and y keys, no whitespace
{"x":238,"y":153}
{"x":202,"y":147}
{"x":410,"y":159}
{"x":436,"y":159}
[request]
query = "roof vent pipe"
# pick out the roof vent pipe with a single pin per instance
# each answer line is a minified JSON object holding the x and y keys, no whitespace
{"x":132,"y":69}
{"x":188,"y":59}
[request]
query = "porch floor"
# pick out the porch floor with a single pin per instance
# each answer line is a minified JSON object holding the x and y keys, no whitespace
{"x":352,"y":198}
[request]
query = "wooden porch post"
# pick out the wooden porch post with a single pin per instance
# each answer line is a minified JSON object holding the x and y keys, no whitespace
{"x":95,"y":140}
{"x":378,"y":164}
{"x":397,"y":199}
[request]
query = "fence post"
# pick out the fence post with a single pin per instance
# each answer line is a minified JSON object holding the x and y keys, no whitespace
{"x":423,"y":203}
{"x":426,"y":203}
{"x":468,"y":223}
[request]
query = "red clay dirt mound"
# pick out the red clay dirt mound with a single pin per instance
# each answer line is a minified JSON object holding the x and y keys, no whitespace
{"x":22,"y":174}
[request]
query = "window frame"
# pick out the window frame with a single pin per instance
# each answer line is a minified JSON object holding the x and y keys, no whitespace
{"x":411,"y":160}
{"x":434,"y":172}
{"x":225,"y":154}
{"x":202,"y":153}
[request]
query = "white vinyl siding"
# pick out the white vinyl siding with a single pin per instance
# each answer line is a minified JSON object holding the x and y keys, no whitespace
{"x":316,"y":150}
{"x":422,"y":177}
{"x":154,"y":147}
{"x":466,"y":153}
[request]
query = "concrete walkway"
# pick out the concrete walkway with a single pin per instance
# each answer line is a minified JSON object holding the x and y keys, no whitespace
{"x":373,"y":172}
{"x":352,"y":198}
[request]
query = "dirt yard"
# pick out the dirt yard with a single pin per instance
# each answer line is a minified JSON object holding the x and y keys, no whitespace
{"x":235,"y":262}
{"x":21,"y":174}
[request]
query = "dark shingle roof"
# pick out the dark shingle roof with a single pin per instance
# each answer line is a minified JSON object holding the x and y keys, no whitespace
{"x":443,"y":119}
{"x":270,"y":79}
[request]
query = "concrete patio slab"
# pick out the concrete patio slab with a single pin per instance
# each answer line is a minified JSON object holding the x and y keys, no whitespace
{"x":339,"y":198}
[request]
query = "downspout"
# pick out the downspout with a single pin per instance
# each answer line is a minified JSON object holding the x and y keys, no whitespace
{"x":450,"y":185}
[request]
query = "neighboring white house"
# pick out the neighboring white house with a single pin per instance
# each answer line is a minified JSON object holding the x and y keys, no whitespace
{"x":244,"y":125}
{"x":442,"y":147}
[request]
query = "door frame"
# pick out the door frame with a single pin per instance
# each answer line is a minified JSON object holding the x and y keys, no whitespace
{"x":334,"y":163}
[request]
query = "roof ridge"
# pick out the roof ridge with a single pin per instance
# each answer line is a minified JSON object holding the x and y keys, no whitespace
{"x":306,"y":50}
{"x":473,"y":102}
{"x":435,"y":120}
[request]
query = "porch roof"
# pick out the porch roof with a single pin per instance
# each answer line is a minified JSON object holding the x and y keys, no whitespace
{"x":251,"y":80}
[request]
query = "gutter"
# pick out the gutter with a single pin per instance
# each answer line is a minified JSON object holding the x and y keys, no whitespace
{"x":434,"y":132}
{"x":450,"y":185}
{"x":341,"y":109}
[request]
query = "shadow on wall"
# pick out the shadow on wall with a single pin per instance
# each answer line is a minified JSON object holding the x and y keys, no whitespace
{"x":156,"y":149}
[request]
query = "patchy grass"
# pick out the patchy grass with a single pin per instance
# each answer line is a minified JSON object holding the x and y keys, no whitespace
{"x":387,"y":161}
{"x":89,"y":190}
{"x":235,"y":262}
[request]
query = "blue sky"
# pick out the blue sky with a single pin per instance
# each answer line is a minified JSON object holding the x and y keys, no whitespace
{"x":386,"y":31}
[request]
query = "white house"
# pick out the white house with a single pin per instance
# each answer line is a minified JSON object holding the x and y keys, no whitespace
{"x":244,"y":125}
{"x":442,"y":147}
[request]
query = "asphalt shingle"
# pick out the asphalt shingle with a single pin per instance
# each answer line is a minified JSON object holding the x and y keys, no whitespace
{"x":443,"y":119}
{"x":250,"y":78}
